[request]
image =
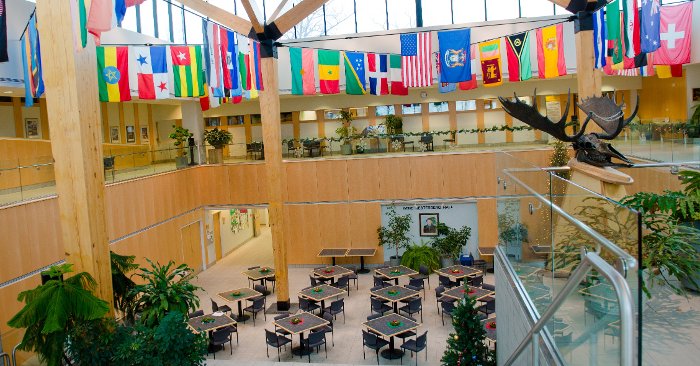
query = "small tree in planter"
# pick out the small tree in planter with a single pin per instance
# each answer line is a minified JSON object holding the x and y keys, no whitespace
{"x":346,"y":131}
{"x":466,"y":345}
{"x":395,"y":233}
{"x":180,"y":135}
{"x":218,"y":139}
{"x":450,"y":242}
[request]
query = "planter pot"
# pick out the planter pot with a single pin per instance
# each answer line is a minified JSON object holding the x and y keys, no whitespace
{"x":394,"y":261}
{"x":180,"y":162}
{"x":447,"y":262}
{"x":346,"y":149}
{"x":359,"y":149}
{"x":216,"y":156}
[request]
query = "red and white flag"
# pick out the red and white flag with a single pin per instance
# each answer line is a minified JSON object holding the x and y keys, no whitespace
{"x":212,"y":49}
{"x":151,"y":71}
{"x":378,"y":73}
{"x":416,"y":66}
{"x":676,"y":32}
{"x":630,"y":21}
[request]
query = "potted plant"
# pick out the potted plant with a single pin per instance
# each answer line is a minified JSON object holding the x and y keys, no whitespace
{"x":421,"y":255}
{"x":218,"y":139}
{"x":450,"y":242}
{"x":395,"y":233}
{"x":394,"y":127}
{"x":346,"y":131}
{"x":180,"y":135}
{"x":693,"y":125}
{"x":512,"y":233}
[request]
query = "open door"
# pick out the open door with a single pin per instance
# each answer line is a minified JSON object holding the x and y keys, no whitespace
{"x":192,"y":246}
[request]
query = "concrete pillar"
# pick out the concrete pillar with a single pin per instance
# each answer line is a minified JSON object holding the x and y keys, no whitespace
{"x":193,"y":120}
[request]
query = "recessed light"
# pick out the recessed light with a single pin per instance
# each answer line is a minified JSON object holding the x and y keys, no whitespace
{"x":7,"y":92}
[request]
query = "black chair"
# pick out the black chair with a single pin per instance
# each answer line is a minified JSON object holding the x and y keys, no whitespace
{"x":280,"y":330}
{"x":307,"y":305}
{"x":108,"y":163}
{"x":337,"y":307}
{"x":261,"y":289}
{"x":380,"y":282}
{"x":275,"y":340}
{"x":408,"y":334}
{"x":372,"y":341}
{"x":315,"y":340}
{"x":423,"y":273}
{"x":352,"y":276}
{"x":489,"y":307}
{"x":215,"y":307}
{"x":417,"y":296}
{"x":327,"y":328}
{"x":273,"y":280}
{"x":251,"y":282}
{"x":290,"y":147}
{"x":476,"y":281}
{"x":415,"y":346}
{"x":417,"y":283}
{"x":219,"y":338}
{"x":428,"y":141}
{"x":314,"y":281}
{"x":447,"y":309}
{"x":343,"y":283}
{"x":195,"y":314}
{"x":379,"y":307}
{"x":446,"y":281}
{"x":486,"y":286}
{"x":415,"y":306}
{"x":257,"y":306}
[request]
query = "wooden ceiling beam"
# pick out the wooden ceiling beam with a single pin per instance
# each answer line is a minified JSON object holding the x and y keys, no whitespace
{"x":255,"y":15}
{"x":575,"y":6}
{"x":277,"y":11}
{"x":293,"y":16}
{"x":219,"y":15}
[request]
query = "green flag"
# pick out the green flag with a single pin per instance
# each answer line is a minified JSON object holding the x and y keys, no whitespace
{"x":354,"y":73}
{"x":612,"y":25}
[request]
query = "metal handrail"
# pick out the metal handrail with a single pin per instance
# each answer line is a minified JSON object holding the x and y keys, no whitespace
{"x":4,"y":356}
{"x":14,"y":355}
{"x":628,"y":261}
{"x":624,"y":297}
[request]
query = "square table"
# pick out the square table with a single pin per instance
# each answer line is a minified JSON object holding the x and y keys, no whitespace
{"x":362,"y":253}
{"x":459,"y":272}
{"x":332,"y":252}
{"x":490,"y":328}
{"x":487,"y":251}
{"x":331,"y":272}
{"x":207,"y":322}
{"x":461,"y":292}
{"x":308,"y":322}
{"x":382,"y":325}
{"x":321,"y":293}
{"x":395,"y":294}
{"x":259,"y":274}
{"x":396,"y":272}
{"x":239,"y":295}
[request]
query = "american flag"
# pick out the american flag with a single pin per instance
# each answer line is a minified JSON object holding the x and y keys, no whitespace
{"x":415,"y":60}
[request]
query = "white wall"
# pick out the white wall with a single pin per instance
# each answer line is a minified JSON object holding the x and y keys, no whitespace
{"x":7,"y":122}
{"x":494,"y":118}
{"x":237,"y":147}
{"x":454,"y":215}
{"x":232,"y":238}
{"x":466,"y":121}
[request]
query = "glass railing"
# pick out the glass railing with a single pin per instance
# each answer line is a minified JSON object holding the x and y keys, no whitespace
{"x":545,"y":223}
{"x":659,"y":142}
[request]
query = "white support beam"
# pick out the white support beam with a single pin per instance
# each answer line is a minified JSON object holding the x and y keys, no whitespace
{"x":219,"y":15}
{"x":293,"y":16}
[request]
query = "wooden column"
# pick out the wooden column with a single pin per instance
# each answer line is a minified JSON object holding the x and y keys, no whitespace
{"x":272,"y":139}
{"x":105,"y":122}
{"x":247,"y":125}
{"x":44,"y":117}
{"x":70,"y":78}
{"x":509,"y":123}
{"x":425,"y":116}
{"x":452,"y":110}
{"x":589,"y":80}
{"x":372,"y":115}
{"x":152,"y":134}
{"x":480,"y":120}
{"x":122,"y":125}
{"x":17,"y":115}
{"x":137,"y":124}
{"x":296,"y":128}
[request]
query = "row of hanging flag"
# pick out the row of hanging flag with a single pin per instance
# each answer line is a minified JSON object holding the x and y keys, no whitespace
{"x":455,"y":63}
{"x":653,"y":39}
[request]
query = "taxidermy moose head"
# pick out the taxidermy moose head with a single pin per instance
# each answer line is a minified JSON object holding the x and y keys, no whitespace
{"x":589,"y":147}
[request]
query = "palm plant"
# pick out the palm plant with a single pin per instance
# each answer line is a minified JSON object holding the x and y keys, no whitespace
{"x":124,"y":299}
{"x":165,"y":289}
{"x":53,"y":308}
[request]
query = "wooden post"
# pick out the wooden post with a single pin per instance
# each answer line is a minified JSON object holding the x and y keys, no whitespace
{"x":272,"y":139}
{"x":44,"y":116}
{"x":589,"y":79}
{"x":480,"y":120}
{"x":70,"y":77}
{"x":17,"y":115}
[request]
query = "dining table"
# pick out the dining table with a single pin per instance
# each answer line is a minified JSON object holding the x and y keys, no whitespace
{"x":331,"y":272}
{"x":239,"y":295}
{"x":321,"y":293}
{"x":260,"y":274}
{"x":298,"y":324}
{"x":389,"y":326}
{"x":459,"y":272}
{"x":210,"y":322}
{"x":395,"y":294}
{"x":362,"y":253}
{"x":396,"y":272}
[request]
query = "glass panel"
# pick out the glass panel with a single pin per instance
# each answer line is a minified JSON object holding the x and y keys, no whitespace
{"x":311,"y":26}
{"x":466,"y":105}
{"x":255,"y":119}
{"x":235,"y":120}
{"x":358,"y":112}
{"x":212,"y":121}
{"x":501,"y":9}
{"x":536,"y":8}
{"x":371,"y":15}
{"x":438,"y":13}
{"x":129,"y":21}
{"x":147,"y":25}
{"x":384,"y":110}
{"x":193,"y":27}
{"x":411,"y":108}
{"x":178,"y":31}
{"x":285,"y":117}
{"x":340,"y":18}
{"x":163,"y":21}
{"x":558,"y":10}
{"x":438,"y":107}
{"x":492,"y":104}
{"x":240,"y":10}
{"x":469,"y":11}
{"x":332,"y":114}
{"x":402,"y":14}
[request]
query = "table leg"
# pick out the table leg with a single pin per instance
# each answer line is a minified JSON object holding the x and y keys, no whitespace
{"x":333,"y":258}
{"x":301,"y":351}
{"x":396,"y":307}
{"x":396,"y":281}
{"x":241,"y":317}
{"x":323,"y":306}
{"x":392,"y":353}
{"x":362,"y":266}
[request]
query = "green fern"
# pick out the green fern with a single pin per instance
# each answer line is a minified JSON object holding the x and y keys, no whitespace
{"x":691,"y":181}
{"x":122,"y":285}
{"x":417,"y":255}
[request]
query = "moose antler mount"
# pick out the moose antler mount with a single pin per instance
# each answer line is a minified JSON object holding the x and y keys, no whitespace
{"x":589,"y":147}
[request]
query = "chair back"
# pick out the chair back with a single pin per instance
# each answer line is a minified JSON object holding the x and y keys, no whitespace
{"x":491,"y":305}
{"x":338,"y":305}
{"x":378,"y":282}
{"x":439,"y":290}
{"x":414,"y":288}
{"x":343,"y":281}
{"x":368,"y":339}
{"x":376,"y":304}
{"x":316,"y":337}
{"x":221,"y":335}
{"x":426,"y":139}
{"x":423,"y":270}
{"x":281,"y":316}
{"x":214,"y":305}
{"x":259,"y":304}
{"x":416,"y":282}
{"x":271,"y":338}
{"x":327,"y":316}
{"x":415,"y":304}
{"x":313,"y":281}
{"x":444,"y":280}
{"x":196,"y":314}
{"x":373,"y":316}
{"x":254,"y":267}
{"x":448,"y":307}
{"x":259,"y":288}
{"x":489,"y":287}
{"x":422,"y":340}
{"x":303,"y":304}
{"x":476,"y":281}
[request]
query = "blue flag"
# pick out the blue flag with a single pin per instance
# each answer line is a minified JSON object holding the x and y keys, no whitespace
{"x":600,"y":41}
{"x":650,"y":25}
{"x":31,"y":63}
{"x":232,"y":65}
{"x":454,"y":56}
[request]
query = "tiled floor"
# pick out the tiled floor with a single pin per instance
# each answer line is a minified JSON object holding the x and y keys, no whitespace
{"x":226,"y":275}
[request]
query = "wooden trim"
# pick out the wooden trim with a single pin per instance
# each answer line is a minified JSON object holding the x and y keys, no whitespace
{"x":293,"y":16}
{"x":217,"y":235}
{"x":44,"y":119}
{"x":452,"y":111}
{"x":222,"y":16}
{"x":122,"y":125}
{"x":372,"y":115}
{"x":425,"y":116}
{"x":509,"y":123}
{"x":256,"y":16}
{"x":137,"y":124}
{"x":320,"y":115}
{"x":152,"y":133}
{"x":277,"y":11}
{"x":480,"y":120}
{"x":296,"y":128}
{"x":105,"y":122}
{"x":398,"y":111}
{"x":248,"y":128}
{"x":17,"y":115}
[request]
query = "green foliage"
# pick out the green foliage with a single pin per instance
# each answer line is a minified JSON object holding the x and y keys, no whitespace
{"x":393,"y":124}
{"x":395,"y":234}
{"x":466,"y":345}
{"x":53,"y":308}
{"x":691,"y":181}
{"x":417,"y":255}
{"x":346,"y":116}
{"x":346,"y":132}
{"x":695,"y":118}
{"x":180,"y":135}
{"x":122,"y":285}
{"x":103,"y":342}
{"x":165,"y":289}
{"x":560,"y":157}
{"x":450,"y":241}
{"x":511,"y":230}
{"x":217,"y":138}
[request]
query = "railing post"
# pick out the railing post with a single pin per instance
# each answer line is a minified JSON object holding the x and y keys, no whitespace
{"x":535,"y":349}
